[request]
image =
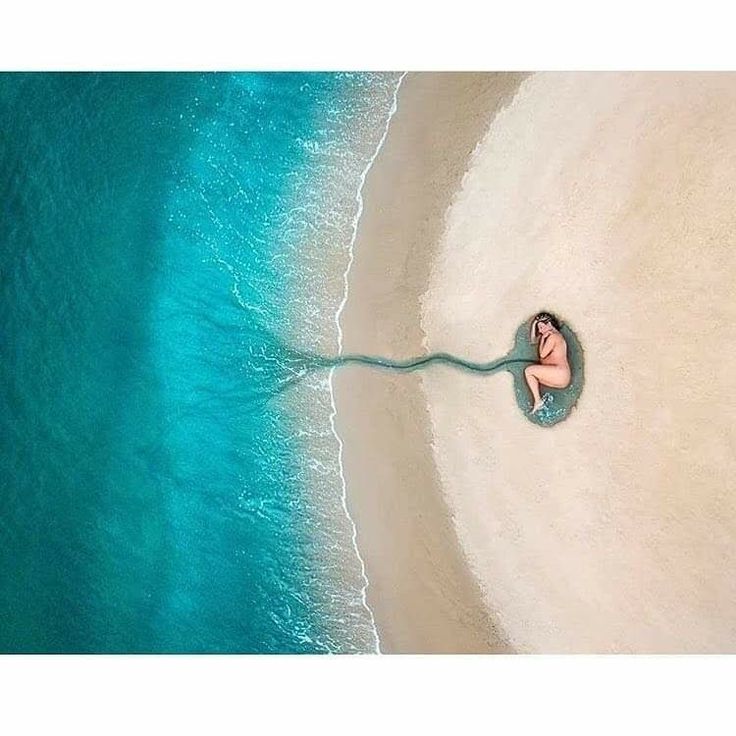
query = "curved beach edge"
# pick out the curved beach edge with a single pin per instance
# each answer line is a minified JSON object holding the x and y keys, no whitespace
{"x":421,"y":590}
{"x":608,"y":198}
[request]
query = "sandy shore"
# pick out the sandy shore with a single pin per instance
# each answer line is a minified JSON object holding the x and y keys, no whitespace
{"x":421,"y":590}
{"x":609,"y":199}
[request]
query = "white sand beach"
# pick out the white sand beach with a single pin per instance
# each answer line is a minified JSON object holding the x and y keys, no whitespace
{"x":609,"y":199}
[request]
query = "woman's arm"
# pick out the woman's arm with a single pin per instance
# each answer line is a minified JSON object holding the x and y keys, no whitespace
{"x":546,"y":346}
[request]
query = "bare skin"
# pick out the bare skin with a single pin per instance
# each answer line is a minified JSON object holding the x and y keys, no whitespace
{"x":553,"y":369}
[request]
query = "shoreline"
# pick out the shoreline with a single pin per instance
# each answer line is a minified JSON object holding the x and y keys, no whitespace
{"x":420,"y":590}
{"x":340,"y":341}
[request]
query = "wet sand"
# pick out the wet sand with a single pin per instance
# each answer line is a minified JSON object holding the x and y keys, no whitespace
{"x":421,"y":591}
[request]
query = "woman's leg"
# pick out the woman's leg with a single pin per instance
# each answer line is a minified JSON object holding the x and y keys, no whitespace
{"x":553,"y":376}
{"x":533,"y":382}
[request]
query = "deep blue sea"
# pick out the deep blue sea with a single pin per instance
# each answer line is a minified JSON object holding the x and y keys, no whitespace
{"x":162,"y":238}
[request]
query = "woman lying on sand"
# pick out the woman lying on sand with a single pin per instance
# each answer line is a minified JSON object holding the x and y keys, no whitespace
{"x":554,"y":370}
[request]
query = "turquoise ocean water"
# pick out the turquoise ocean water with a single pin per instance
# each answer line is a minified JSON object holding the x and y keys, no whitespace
{"x":162,"y":238}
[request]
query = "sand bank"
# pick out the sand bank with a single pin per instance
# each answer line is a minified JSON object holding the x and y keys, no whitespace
{"x":609,"y":199}
{"x":421,"y":591}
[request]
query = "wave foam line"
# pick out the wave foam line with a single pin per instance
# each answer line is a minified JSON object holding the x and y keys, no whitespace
{"x":338,"y":315}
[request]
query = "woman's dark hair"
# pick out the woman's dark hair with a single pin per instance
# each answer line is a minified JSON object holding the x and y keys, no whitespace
{"x":548,"y":317}
{"x":544,"y":317}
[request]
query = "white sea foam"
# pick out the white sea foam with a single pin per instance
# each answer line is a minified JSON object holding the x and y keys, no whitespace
{"x":338,"y":315}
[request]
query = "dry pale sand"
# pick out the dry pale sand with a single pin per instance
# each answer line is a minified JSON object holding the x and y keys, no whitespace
{"x":610,"y":199}
{"x":422,"y":593}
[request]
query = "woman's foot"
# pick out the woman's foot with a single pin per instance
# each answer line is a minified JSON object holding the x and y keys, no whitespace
{"x":538,"y":404}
